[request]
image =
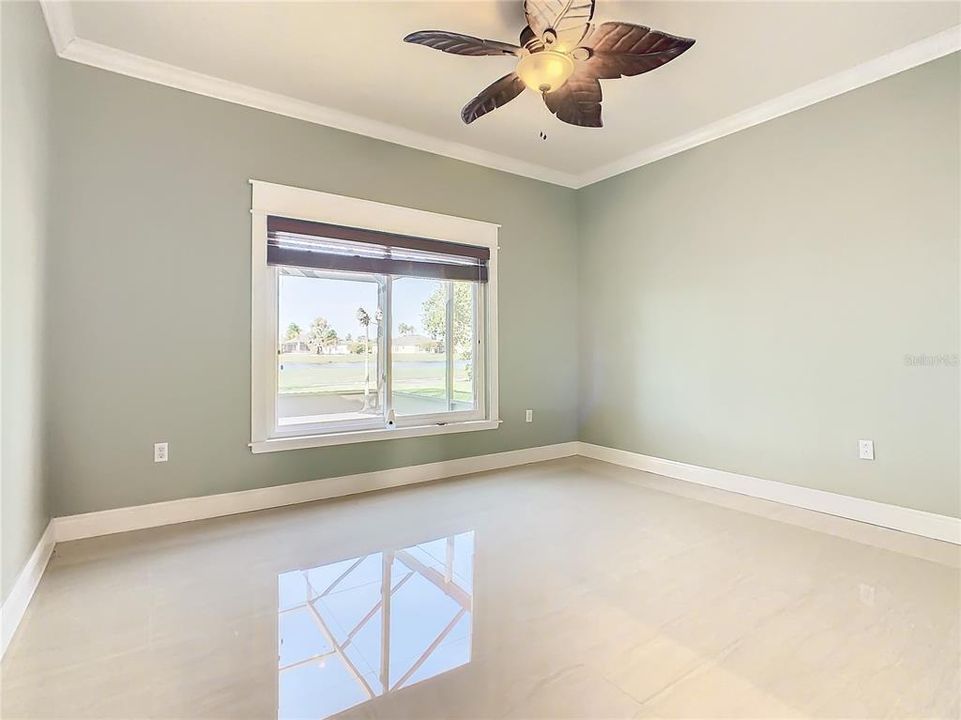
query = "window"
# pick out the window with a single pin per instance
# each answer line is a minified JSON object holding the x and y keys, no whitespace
{"x":369,"y":321}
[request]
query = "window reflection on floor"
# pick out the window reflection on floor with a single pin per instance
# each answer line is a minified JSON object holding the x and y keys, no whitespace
{"x":356,"y":629}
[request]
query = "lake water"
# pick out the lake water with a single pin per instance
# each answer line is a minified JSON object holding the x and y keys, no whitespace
{"x":350,"y":365}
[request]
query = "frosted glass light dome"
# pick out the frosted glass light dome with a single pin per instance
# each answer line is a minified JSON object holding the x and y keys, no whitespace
{"x":545,"y":71}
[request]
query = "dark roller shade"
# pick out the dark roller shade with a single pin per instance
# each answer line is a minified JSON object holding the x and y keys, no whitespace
{"x":307,"y":244}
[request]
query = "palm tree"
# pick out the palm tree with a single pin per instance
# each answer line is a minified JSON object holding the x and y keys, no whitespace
{"x":364,"y":319}
{"x":329,"y":340}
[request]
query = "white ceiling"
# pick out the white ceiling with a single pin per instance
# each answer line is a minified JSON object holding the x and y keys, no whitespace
{"x":348,"y":58}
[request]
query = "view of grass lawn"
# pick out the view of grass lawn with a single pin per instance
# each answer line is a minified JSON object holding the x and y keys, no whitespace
{"x":327,"y":325}
{"x":420,"y":374}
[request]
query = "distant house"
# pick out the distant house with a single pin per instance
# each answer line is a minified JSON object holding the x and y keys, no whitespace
{"x":414,"y":344}
{"x":300,"y":345}
{"x":297,"y":345}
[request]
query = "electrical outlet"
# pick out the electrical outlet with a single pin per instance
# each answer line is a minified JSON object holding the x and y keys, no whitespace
{"x":160,"y":452}
{"x":866,"y":592}
{"x":866,"y":449}
{"x":528,"y":416}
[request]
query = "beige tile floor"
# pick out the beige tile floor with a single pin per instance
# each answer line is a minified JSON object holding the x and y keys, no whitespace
{"x":563,"y":589}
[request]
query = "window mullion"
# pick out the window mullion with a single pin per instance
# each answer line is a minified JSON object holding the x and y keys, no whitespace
{"x":383,"y":339}
{"x":388,"y":375}
{"x":478,"y":359}
{"x":450,"y":346}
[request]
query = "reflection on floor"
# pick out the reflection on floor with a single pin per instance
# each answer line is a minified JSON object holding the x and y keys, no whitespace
{"x":355,"y":629}
{"x":569,"y":589}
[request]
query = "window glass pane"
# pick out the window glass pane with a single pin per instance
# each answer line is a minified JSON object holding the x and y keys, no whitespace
{"x":419,"y":346}
{"x":463,"y":346}
{"x":328,"y":348}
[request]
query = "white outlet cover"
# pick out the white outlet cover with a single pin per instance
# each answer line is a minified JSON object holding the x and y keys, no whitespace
{"x":160,"y":452}
{"x":866,"y":449}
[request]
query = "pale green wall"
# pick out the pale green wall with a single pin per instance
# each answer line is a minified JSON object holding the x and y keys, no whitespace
{"x":747,"y":305}
{"x":27,"y":61}
{"x":150,"y":303}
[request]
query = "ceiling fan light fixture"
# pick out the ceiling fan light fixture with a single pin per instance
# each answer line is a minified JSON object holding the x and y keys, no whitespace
{"x":545,"y":71}
{"x":561,"y":56}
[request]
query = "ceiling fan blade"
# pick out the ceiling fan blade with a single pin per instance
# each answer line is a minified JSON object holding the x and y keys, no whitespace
{"x":578,"y":101}
{"x":526,"y":35}
{"x":621,"y":49}
{"x":570,"y":19}
{"x":492,"y":97}
{"x":458,"y":44}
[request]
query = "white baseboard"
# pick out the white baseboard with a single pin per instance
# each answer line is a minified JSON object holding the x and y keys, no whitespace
{"x":106,"y":522}
{"x":916,"y":522}
{"x":138,"y":517}
{"x":14,"y":607}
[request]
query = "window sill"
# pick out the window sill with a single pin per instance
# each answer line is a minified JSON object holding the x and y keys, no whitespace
{"x":359,"y":436}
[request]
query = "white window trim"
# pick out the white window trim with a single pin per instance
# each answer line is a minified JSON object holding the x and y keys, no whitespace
{"x":273,"y":199}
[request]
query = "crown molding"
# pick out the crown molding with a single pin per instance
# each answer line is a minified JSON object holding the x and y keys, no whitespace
{"x":59,"y":17}
{"x":125,"y":63}
{"x":58,"y":14}
{"x":918,"y":53}
{"x":70,"y":46}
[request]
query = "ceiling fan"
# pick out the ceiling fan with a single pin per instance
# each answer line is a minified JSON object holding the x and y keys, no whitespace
{"x":562,"y":57}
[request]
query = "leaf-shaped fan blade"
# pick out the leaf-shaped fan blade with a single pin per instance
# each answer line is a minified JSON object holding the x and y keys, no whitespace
{"x":527,"y":35}
{"x":619,"y":49}
{"x":492,"y":97}
{"x":568,"y":18}
{"x":458,"y":44}
{"x":578,"y":101}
